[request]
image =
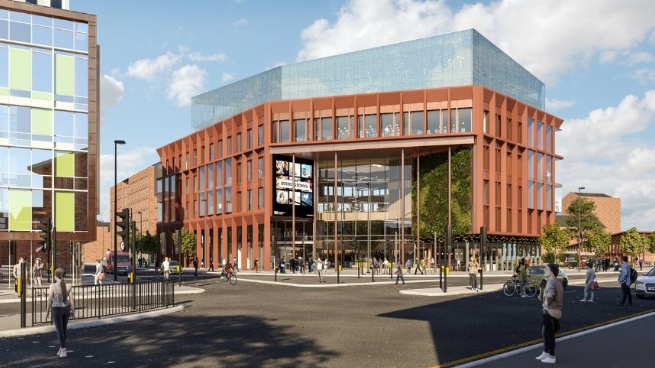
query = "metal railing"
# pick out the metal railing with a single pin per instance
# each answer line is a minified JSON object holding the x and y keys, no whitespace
{"x":97,"y":301}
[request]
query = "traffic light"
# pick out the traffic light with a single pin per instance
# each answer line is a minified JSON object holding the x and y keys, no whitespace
{"x":123,"y":224}
{"x":46,"y":227}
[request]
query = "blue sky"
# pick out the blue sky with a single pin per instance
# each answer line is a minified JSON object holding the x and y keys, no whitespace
{"x":597,"y":60}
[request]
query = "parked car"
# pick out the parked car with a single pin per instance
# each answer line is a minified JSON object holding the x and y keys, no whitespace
{"x":173,"y":266}
{"x":536,"y":274}
{"x":645,"y":285}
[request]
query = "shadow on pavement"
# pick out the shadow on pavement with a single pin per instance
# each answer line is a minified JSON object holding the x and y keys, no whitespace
{"x":176,"y":340}
{"x":463,"y":330}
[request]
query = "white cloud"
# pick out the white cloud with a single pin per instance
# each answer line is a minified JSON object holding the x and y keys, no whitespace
{"x":556,"y":105}
{"x":129,"y":162}
{"x":149,"y":69}
{"x":197,"y":56}
{"x":550,"y":52}
{"x":607,"y":57}
{"x":645,"y":75}
{"x":227,"y":77}
{"x":111,"y":91}
{"x":639,"y":57}
{"x":608,"y":151}
{"x":187,"y":82}
{"x":240,"y":22}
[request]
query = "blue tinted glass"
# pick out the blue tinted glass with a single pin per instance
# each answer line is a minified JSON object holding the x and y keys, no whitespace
{"x":4,"y":29}
{"x":41,"y":71}
{"x":42,"y":21}
{"x":4,"y":67}
{"x":4,"y":121}
{"x":81,"y":125}
{"x":82,"y":27}
{"x":20,"y":17}
{"x":64,"y":123}
{"x":63,"y":39}
{"x":42,"y":35}
{"x":81,"y":41}
{"x":4,"y":14}
{"x":20,"y":32}
{"x":20,"y":160}
{"x":65,"y":24}
{"x":20,"y":119}
{"x":81,"y":77}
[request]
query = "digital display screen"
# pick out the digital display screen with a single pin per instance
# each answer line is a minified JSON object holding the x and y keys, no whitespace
{"x":287,"y":177}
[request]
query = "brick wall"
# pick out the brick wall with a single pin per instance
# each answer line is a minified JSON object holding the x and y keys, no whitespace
{"x":96,"y":250}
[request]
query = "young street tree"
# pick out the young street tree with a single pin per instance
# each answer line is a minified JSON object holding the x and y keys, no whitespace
{"x":188,"y":243}
{"x":553,"y":238}
{"x":651,"y":242}
{"x":581,"y":210}
{"x":632,"y":242}
{"x":598,"y":240}
{"x":147,"y":244}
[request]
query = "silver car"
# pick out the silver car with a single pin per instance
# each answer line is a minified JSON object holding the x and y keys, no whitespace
{"x":645,"y":285}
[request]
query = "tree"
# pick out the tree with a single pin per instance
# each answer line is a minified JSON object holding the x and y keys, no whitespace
{"x":632,"y":242}
{"x":188,"y":243}
{"x":147,"y":244}
{"x":582,"y":210}
{"x":651,"y":242}
{"x":598,"y":240}
{"x":553,"y":238}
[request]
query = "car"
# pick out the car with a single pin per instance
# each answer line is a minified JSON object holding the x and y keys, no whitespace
{"x":645,"y":285}
{"x":173,"y":267}
{"x":536,"y":275}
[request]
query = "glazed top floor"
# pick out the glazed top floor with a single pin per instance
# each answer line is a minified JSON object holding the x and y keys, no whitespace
{"x":460,"y":58}
{"x":447,"y":112}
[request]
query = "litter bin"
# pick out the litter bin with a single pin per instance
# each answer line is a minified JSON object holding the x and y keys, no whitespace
{"x":447,"y":270}
{"x":340,"y":268}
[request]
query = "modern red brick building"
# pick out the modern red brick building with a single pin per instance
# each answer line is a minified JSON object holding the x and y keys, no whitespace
{"x":298,"y":167}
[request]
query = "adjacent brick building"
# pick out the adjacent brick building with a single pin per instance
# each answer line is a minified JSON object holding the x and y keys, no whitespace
{"x":608,"y":209}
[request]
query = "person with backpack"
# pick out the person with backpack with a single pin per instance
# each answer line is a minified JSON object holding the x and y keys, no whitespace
{"x":625,"y":279}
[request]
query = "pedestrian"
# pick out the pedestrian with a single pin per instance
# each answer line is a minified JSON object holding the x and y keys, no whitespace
{"x":211,"y":264}
{"x":301,"y":264}
{"x":99,"y":275}
{"x":195,"y":266}
{"x":641,"y":264}
{"x":473,"y":274}
{"x":625,"y":281}
{"x":319,"y":270}
{"x":166,"y":265}
{"x":223,"y":263}
{"x":591,"y":277}
{"x":61,"y":302}
{"x":552,"y":301}
{"x":282,"y":265}
{"x":18,"y":273}
{"x":37,"y":273}
{"x":616,"y":264}
{"x":408,"y":264}
{"x":235,"y":265}
{"x":399,"y":274}
{"x":256,"y":266}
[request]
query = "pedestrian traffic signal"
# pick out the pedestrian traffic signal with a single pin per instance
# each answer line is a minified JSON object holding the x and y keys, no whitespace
{"x":123,"y":223}
{"x":46,"y":227}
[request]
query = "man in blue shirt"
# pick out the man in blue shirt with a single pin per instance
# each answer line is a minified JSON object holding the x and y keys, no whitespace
{"x":625,"y":281}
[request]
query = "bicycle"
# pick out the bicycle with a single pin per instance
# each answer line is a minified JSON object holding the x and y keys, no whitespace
{"x":513,"y":286}
{"x":232,"y":279}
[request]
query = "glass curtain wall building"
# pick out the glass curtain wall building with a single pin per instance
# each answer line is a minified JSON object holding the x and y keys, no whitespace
{"x":48,"y":127}
{"x":348,"y":157}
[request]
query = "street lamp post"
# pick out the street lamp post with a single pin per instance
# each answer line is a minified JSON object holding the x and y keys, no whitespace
{"x":116,"y":143}
{"x":140,"y":228}
{"x":579,"y":226}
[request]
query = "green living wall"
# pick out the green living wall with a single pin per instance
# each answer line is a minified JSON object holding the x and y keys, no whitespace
{"x":433,"y":179}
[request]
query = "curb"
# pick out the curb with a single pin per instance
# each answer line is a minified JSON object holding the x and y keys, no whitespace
{"x":333,"y":285}
{"x":90,"y":323}
{"x":189,"y":290}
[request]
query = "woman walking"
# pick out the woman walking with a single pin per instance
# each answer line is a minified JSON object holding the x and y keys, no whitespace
{"x":99,"y":274}
{"x":473,"y":274}
{"x":591,"y":276}
{"x":552,"y":300}
{"x":319,"y":270}
{"x":61,"y":302}
{"x":38,"y":273}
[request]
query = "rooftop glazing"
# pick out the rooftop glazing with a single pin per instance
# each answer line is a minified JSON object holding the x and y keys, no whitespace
{"x":454,"y":59}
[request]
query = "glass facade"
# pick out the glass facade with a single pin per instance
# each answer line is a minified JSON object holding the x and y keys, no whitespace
{"x":44,"y":123}
{"x":453,"y":59}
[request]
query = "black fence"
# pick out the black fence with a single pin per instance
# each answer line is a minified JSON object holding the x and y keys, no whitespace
{"x":97,"y":301}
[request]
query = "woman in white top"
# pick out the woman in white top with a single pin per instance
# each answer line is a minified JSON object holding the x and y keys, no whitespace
{"x":61,"y":302}
{"x":97,"y":279}
{"x":591,"y":276}
{"x":38,"y":273}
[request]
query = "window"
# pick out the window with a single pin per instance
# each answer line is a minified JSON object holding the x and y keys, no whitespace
{"x":389,"y":126}
{"x":549,"y":139}
{"x":498,"y":126}
{"x":485,"y":123}
{"x":280,"y":131}
{"x":187,"y":161}
{"x":228,"y":172}
{"x":368,"y":126}
{"x":498,"y":157}
{"x":540,"y":135}
{"x":460,"y":120}
{"x":229,"y":146}
{"x":195,"y":158}
{"x":186,"y":187}
{"x":249,"y":170}
{"x":530,"y":165}
{"x":260,"y":198}
{"x":202,"y":155}
{"x":486,"y":157}
{"x":301,"y":130}
{"x":238,"y":142}
{"x":344,"y":127}
{"x":322,"y":129}
{"x":239,"y":174}
{"x":249,"y":199}
{"x":434,"y":123}
{"x":530,"y":132}
{"x":228,"y":199}
{"x":249,"y":138}
{"x":238,"y":201}
{"x":260,"y":168}
{"x":211,"y":152}
{"x":195,"y":184}
{"x":510,"y":137}
{"x":260,"y":135}
{"x":219,"y":174}
{"x":413,"y":122}
{"x":219,"y":149}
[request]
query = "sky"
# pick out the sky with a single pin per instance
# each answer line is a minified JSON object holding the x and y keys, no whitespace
{"x":596,"y":57}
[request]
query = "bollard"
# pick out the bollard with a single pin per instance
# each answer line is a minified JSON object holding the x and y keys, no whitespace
{"x":23,"y":296}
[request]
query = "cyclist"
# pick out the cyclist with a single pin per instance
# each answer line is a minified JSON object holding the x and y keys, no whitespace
{"x":521,"y":272}
{"x":228,"y":270}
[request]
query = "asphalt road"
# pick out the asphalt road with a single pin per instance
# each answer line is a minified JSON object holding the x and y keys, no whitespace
{"x":256,"y":325}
